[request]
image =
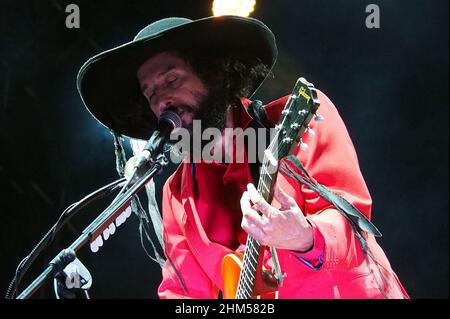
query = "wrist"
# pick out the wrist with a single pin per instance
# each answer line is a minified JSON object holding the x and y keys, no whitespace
{"x":307,"y":242}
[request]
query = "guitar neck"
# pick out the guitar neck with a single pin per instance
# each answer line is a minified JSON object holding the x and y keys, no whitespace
{"x":248,"y":271}
{"x":300,"y":108}
{"x":253,"y":247}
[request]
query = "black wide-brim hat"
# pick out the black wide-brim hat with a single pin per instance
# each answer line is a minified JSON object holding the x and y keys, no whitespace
{"x":108,"y":83}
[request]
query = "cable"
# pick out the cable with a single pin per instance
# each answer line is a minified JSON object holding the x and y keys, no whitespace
{"x":68,"y":213}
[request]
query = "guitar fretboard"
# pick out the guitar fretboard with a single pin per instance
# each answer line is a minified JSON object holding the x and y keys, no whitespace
{"x":253,"y":247}
{"x":294,"y":121}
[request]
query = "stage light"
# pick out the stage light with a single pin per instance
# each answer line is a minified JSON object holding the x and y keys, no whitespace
{"x":233,"y":7}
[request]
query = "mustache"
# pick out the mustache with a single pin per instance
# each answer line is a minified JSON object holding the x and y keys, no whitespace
{"x":178,"y":108}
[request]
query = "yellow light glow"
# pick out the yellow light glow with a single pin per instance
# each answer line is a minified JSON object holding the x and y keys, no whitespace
{"x":241,"y":8}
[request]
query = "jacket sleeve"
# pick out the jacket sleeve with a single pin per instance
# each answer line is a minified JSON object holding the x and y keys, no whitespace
{"x":180,"y":259}
{"x":331,"y":159}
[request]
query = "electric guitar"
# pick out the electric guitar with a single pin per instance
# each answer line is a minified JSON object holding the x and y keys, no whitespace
{"x":242,"y":274}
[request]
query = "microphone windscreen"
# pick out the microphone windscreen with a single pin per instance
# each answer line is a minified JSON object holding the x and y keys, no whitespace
{"x":169,"y":118}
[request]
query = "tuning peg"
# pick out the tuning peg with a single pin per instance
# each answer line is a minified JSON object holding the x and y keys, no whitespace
{"x":311,"y":132}
{"x":295,"y":126}
{"x":303,"y":146}
{"x":319,"y":118}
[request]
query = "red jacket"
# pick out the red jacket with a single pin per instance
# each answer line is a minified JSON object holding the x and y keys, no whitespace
{"x":202,"y":218}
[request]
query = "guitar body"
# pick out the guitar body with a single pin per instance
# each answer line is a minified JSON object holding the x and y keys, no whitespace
{"x":265,"y":283}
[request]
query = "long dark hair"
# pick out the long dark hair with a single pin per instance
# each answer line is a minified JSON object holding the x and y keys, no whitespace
{"x":232,"y":73}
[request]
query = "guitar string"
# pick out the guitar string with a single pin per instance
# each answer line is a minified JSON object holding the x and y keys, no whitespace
{"x":250,"y":240}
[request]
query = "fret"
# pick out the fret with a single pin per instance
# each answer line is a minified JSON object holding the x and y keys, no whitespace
{"x":265,"y":187}
{"x":247,"y":284}
{"x":244,"y":289}
{"x":249,"y":264}
{"x":255,"y":248}
{"x":266,"y":181}
{"x":249,"y":276}
{"x":254,"y":259}
{"x":254,"y":244}
{"x":252,"y":265}
{"x":262,"y":192}
{"x":244,"y":295}
{"x":244,"y":285}
{"x":270,"y":158}
{"x":248,"y":269}
{"x":265,"y":171}
{"x":250,"y":261}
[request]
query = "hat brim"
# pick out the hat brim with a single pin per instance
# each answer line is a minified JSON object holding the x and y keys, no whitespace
{"x":108,"y":82}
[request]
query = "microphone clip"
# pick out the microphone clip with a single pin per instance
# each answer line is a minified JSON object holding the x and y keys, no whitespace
{"x":73,"y":279}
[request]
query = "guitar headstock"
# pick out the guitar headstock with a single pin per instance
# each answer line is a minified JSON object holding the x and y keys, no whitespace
{"x":298,"y":112}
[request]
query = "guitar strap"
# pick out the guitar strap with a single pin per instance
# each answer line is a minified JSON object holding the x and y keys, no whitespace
{"x":356,"y":219}
{"x":358,"y":222}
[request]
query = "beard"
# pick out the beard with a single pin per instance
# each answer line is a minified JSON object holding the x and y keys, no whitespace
{"x":211,"y":110}
{"x":212,"y":114}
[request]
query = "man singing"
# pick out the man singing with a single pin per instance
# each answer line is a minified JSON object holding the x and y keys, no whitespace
{"x":208,"y":70}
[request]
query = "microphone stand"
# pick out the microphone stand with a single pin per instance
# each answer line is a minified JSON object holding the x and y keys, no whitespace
{"x":96,"y":228}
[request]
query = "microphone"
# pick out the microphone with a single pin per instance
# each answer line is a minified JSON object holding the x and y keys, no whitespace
{"x":168,"y":121}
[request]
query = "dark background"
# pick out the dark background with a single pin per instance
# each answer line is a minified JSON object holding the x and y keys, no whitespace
{"x":390,"y":86}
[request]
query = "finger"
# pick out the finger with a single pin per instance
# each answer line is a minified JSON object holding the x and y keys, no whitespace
{"x":284,"y":199}
{"x":245,"y":202}
{"x":259,"y":202}
{"x":249,"y":213}
{"x":253,"y":217}
{"x":254,"y":231}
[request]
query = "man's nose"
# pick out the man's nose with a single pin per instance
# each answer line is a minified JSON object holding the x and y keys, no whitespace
{"x":162,"y":102}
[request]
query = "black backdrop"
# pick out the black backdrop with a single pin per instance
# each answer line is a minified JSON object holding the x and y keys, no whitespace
{"x":389,"y":84}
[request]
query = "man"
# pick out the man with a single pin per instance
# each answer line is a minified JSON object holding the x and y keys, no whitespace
{"x":206,"y":69}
